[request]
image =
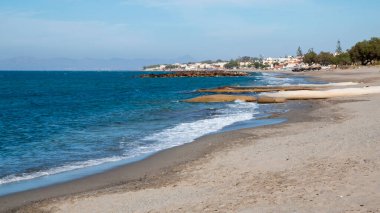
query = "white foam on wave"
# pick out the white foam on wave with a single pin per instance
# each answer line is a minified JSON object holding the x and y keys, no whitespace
{"x":278,"y":81}
{"x":57,"y":170}
{"x":178,"y":135}
{"x":188,"y":132}
{"x":272,"y":79}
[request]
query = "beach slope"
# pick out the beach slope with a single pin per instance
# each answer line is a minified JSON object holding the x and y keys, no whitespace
{"x":325,"y":159}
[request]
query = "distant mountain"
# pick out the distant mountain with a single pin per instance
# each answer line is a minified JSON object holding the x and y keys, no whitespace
{"x":65,"y":64}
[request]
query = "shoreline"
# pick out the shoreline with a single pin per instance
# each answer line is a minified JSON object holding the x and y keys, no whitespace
{"x":170,"y":163}
{"x":142,"y":174}
{"x":150,"y":166}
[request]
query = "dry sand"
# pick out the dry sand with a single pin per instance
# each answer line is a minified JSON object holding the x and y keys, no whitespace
{"x":325,"y":159}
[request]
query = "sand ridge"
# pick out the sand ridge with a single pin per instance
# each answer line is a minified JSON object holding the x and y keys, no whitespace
{"x":322,"y":94}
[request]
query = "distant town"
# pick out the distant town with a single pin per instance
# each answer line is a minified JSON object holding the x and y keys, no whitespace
{"x":242,"y":63}
{"x":362,"y":53}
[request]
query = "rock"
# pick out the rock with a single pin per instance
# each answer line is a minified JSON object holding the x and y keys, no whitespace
{"x":221,"y":98}
{"x":255,"y":89}
{"x":309,"y":68}
{"x":196,"y":74}
{"x":270,"y":100}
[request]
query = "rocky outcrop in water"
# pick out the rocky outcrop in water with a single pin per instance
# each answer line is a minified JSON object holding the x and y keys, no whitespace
{"x":255,"y":89}
{"x":231,"y":98}
{"x":196,"y":74}
{"x":221,"y":98}
{"x":270,"y":100}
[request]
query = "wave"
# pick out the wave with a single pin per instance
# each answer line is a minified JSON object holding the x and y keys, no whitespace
{"x":273,"y":79}
{"x":187,"y":132}
{"x":175,"y":136}
{"x":57,"y":170}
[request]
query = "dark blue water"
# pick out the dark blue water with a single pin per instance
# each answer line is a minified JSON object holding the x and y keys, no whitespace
{"x":53,"y":122}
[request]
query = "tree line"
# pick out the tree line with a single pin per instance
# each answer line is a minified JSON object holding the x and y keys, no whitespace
{"x":364,"y":53}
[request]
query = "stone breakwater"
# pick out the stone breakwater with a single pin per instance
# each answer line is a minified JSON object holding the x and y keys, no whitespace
{"x":196,"y":74}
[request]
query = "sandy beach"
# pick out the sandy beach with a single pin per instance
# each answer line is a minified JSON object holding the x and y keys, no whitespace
{"x":325,"y":158}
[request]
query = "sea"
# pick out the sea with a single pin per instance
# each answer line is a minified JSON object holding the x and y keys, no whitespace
{"x":57,"y":126}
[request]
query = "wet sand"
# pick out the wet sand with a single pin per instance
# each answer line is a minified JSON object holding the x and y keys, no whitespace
{"x":326,"y":158}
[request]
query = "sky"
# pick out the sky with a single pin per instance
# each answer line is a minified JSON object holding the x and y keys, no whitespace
{"x":202,"y":29}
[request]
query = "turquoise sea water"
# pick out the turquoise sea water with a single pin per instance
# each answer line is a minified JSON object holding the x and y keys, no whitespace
{"x":68,"y":123}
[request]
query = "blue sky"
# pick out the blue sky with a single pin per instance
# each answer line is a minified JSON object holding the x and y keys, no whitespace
{"x":203,"y":29}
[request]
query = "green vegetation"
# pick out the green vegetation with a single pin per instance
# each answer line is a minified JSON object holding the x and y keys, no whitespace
{"x":171,"y":67}
{"x":254,"y":62}
{"x":299,"y":52}
{"x":366,"y":52}
{"x":260,"y":65}
{"x":245,"y":59}
{"x":338,"y":47}
{"x":232,"y":64}
{"x":342,"y":59}
{"x":208,"y":61}
{"x":310,"y":57}
{"x":325,"y":58}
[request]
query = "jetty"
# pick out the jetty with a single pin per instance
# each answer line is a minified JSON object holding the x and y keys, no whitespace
{"x":184,"y":74}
